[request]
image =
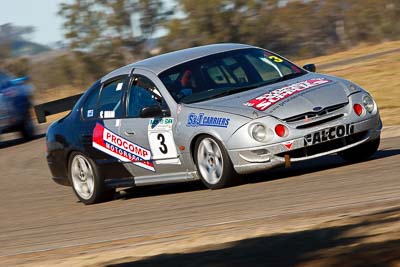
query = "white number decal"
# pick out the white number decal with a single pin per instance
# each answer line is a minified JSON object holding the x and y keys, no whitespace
{"x":161,"y":140}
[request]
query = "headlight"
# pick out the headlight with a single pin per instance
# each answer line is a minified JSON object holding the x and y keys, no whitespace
{"x":260,"y":133}
{"x":368,"y":103}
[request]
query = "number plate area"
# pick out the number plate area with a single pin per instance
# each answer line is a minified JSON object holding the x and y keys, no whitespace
{"x":328,"y":134}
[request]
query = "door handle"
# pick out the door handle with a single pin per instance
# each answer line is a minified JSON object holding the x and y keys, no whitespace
{"x":129,"y":132}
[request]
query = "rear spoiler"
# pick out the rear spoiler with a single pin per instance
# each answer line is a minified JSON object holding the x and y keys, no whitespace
{"x":54,"y":107}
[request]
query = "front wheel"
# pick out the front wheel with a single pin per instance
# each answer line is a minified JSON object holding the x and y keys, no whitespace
{"x":360,"y":152}
{"x":86,"y":179}
{"x":213,"y":163}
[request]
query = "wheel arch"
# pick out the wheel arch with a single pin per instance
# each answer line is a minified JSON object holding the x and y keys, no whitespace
{"x":197,"y":137}
{"x":68,"y":156}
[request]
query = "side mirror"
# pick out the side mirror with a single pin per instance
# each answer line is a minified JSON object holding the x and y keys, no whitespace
{"x":154,"y":111}
{"x":310,"y":67}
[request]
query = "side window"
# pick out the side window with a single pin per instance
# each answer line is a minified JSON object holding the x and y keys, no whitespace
{"x":89,"y":107}
{"x":109,"y":105}
{"x":140,"y":96}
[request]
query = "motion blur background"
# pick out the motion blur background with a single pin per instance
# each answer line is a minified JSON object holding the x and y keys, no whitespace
{"x":81,"y":40}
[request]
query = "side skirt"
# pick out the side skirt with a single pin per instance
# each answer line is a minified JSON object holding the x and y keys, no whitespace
{"x":152,"y":179}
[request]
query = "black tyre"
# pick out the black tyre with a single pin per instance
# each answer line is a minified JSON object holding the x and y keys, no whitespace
{"x":361,"y":152}
{"x":86,"y":180}
{"x":213,"y":163}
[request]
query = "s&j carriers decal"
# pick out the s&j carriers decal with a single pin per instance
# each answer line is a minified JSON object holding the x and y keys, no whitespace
{"x":195,"y":120}
{"x":266,"y":100}
{"x":120,"y":148}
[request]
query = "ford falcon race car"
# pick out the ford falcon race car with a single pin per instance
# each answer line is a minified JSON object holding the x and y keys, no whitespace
{"x":209,"y":113}
{"x":15,"y":104}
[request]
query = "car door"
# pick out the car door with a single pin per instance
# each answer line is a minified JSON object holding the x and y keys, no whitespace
{"x":151,"y":135}
{"x":100,"y":114}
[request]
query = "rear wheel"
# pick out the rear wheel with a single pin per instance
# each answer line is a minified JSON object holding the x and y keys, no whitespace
{"x":213,"y":163}
{"x":361,"y":152}
{"x":86,"y":180}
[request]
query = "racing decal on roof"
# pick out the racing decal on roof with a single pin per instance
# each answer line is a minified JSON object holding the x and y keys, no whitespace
{"x":266,"y":100}
{"x":120,"y":148}
{"x":195,"y":120}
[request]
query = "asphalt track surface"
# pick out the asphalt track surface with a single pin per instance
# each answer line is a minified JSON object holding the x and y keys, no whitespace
{"x":38,"y":215}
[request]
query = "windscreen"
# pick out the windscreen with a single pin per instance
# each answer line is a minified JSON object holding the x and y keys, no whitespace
{"x":226,"y":73}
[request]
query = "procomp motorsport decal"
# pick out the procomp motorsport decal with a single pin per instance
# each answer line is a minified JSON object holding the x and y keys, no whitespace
{"x":266,"y":100}
{"x":120,"y":148}
{"x":195,"y":120}
{"x":328,"y":134}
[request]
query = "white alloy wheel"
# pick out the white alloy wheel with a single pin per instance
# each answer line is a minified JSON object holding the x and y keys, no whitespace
{"x":210,"y":161}
{"x":82,"y":177}
{"x":213,"y":163}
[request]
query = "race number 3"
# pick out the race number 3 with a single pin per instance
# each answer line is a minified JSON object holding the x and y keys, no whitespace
{"x":163,"y":148}
{"x":162,"y":145}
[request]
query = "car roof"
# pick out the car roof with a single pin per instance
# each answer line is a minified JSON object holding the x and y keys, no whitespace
{"x":158,"y":64}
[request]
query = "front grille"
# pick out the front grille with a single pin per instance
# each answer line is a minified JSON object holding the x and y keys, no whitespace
{"x":326,"y":146}
{"x":312,"y":114}
{"x":319,"y":122}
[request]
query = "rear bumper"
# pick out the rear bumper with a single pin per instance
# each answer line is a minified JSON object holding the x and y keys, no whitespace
{"x":58,"y":173}
{"x":266,"y":157}
{"x":61,"y":180}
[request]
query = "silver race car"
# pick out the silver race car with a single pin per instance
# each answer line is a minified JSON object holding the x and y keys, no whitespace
{"x":209,"y":113}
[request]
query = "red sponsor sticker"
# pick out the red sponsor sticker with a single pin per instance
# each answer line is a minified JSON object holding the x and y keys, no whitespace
{"x":266,"y":100}
{"x":120,"y":148}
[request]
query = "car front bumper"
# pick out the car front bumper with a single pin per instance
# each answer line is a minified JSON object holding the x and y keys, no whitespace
{"x":250,"y":160}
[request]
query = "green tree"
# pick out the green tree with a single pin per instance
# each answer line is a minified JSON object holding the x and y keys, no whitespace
{"x":302,"y":28}
{"x":84,"y":22}
{"x":152,"y":14}
{"x":108,"y":24}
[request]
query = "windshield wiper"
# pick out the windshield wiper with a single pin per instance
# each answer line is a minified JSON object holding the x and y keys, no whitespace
{"x":290,"y":76}
{"x":235,"y":90}
{"x":227,"y":92}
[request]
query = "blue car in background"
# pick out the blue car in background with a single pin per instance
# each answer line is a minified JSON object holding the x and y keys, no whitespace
{"x":15,"y":105}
